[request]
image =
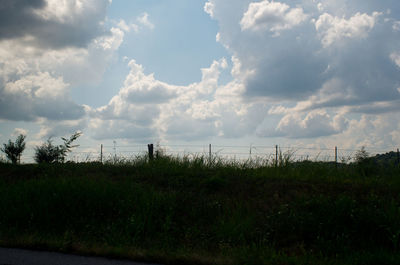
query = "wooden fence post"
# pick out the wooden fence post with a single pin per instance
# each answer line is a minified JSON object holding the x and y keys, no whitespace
{"x":150,"y":147}
{"x":398,"y":157}
{"x":209,"y":153}
{"x":276,"y":155}
{"x":101,"y":153}
{"x":336,"y":156}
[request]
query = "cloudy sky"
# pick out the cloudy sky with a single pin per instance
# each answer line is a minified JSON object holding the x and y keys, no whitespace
{"x":304,"y":72}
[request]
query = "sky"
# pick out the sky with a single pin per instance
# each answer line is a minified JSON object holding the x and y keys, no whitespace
{"x":305,"y":73}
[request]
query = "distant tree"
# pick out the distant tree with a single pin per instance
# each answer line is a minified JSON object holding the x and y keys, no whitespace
{"x":50,"y":153}
{"x":361,"y":155}
{"x":13,"y":150}
{"x":47,"y":152}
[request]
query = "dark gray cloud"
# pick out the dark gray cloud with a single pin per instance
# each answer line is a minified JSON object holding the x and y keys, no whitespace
{"x":31,"y":83}
{"x":19,"y":107}
{"x":289,"y":72}
{"x":19,"y":18}
{"x":38,"y":95}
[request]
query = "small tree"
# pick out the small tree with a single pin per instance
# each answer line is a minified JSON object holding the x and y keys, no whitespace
{"x":49,"y":153}
{"x":361,"y":155}
{"x":13,"y":150}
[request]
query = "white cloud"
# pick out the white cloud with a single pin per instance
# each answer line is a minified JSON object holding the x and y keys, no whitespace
{"x":111,"y":42}
{"x":396,"y":26}
{"x":301,"y":71}
{"x":65,"y":11}
{"x":49,"y":129}
{"x":395,"y":56}
{"x":273,"y":16}
{"x":36,"y":80}
{"x":134,"y":111}
{"x":39,"y":86}
{"x":333,"y":29}
{"x":209,"y":8}
{"x":37,"y":95}
{"x":123,"y":26}
{"x":144,"y":89}
{"x":144,"y":20}
{"x":373,"y":131}
{"x":314,"y":124}
{"x":19,"y":131}
{"x":52,"y":23}
{"x":320,"y":7}
{"x":309,"y":79}
{"x":146,"y":107}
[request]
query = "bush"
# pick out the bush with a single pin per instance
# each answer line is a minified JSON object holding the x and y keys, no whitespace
{"x":361,"y":155}
{"x":49,"y":153}
{"x":13,"y":150}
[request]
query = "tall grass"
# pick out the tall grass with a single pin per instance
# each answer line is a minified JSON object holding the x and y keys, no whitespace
{"x":193,"y":210}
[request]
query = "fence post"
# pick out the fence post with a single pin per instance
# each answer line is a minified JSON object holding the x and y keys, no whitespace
{"x":209,"y":153}
{"x":336,"y":156}
{"x":150,"y":147}
{"x":101,"y":153}
{"x":276,"y":155}
{"x":398,"y":157}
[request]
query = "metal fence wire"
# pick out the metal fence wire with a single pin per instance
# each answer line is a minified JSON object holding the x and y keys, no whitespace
{"x":225,"y":152}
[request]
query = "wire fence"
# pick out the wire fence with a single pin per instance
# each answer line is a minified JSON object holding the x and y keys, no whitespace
{"x":115,"y":152}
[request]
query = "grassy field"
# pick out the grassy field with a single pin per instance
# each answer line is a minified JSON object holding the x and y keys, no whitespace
{"x":179,"y":211}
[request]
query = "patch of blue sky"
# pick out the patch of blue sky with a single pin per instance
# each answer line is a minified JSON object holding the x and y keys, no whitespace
{"x":181,"y":43}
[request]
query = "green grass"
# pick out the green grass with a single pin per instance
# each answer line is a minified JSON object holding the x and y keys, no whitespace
{"x":190,"y":211}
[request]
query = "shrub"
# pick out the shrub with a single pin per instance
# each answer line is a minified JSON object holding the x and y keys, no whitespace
{"x":361,"y":155}
{"x":13,"y":150}
{"x":49,"y":153}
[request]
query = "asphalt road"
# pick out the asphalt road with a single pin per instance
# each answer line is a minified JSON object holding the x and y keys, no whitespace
{"x":11,"y":256}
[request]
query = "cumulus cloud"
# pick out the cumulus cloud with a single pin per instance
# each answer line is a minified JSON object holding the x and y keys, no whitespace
{"x":144,"y":89}
{"x":372,"y":131}
{"x":209,"y":8}
{"x":119,"y":129}
{"x":299,"y":64}
{"x":39,"y":95}
{"x":314,"y":124}
{"x":300,"y":70}
{"x":396,"y":26}
{"x":52,"y":23}
{"x":36,"y":80}
{"x":19,"y":131}
{"x":395,"y":56}
{"x":144,"y":20}
{"x":133,"y":112}
{"x":49,"y":129}
{"x":16,"y":15}
{"x":333,"y":29}
{"x":148,"y":108}
{"x":331,"y":61}
{"x":273,"y":16}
